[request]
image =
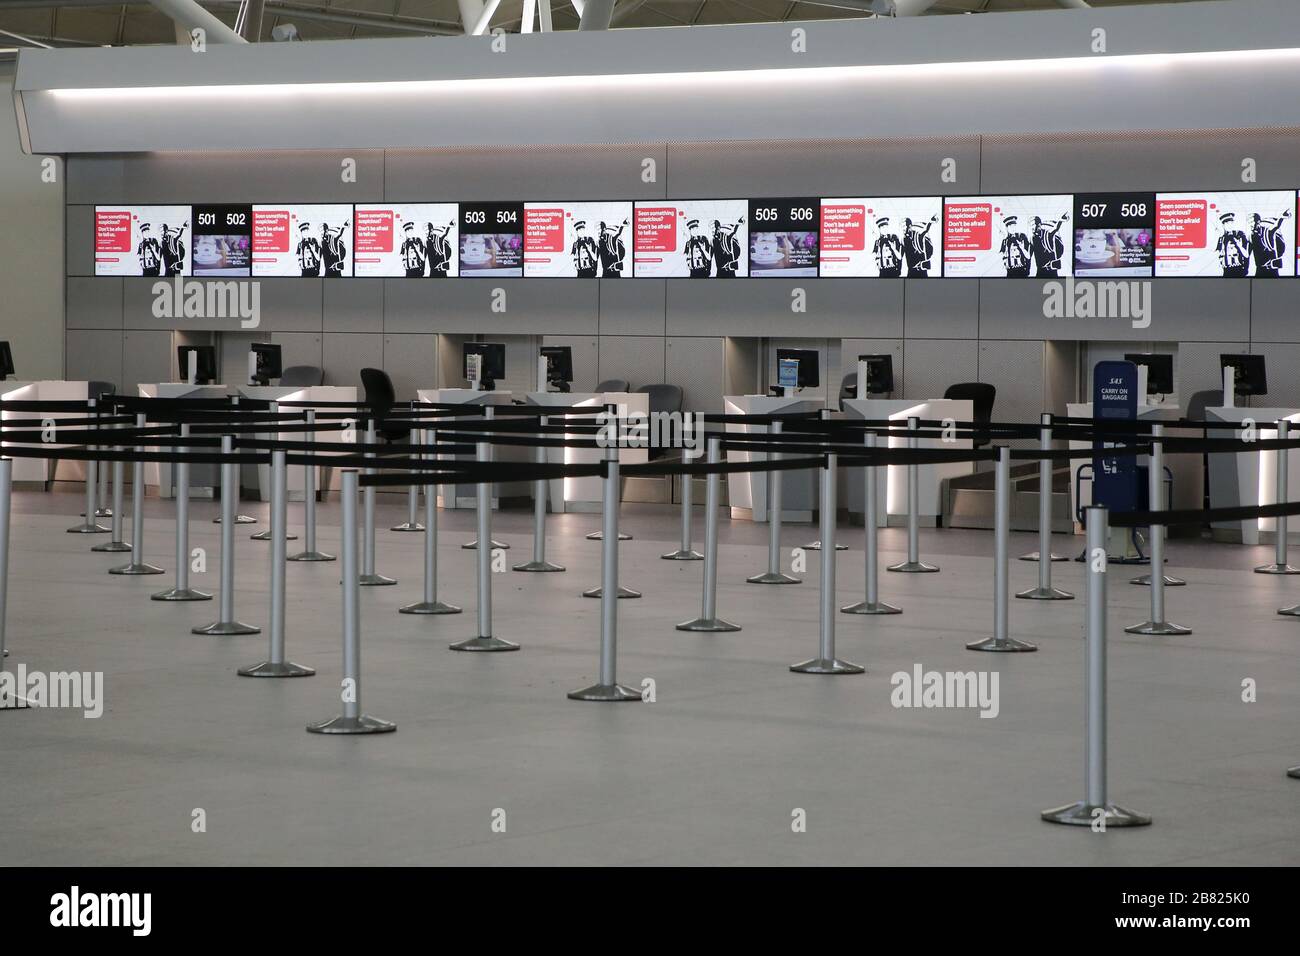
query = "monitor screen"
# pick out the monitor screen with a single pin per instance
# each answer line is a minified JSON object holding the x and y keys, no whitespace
{"x":584,"y":240}
{"x":808,"y":365}
{"x":1017,"y":237}
{"x":143,"y":241}
{"x":6,"y":360}
{"x":206,"y":363}
{"x":268,"y":361}
{"x":693,"y":238}
{"x":1233,"y":234}
{"x":410,"y":240}
{"x":302,"y":240}
{"x":888,"y":238}
{"x":1160,"y":370}
{"x":1250,"y":376}
{"x":880,"y":373}
{"x":494,"y":360}
{"x":559,"y":362}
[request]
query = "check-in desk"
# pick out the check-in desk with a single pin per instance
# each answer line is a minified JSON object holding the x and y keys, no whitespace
{"x":584,"y":494}
{"x":747,"y":491}
{"x":40,"y":470}
{"x":259,"y":476}
{"x":463,"y":496}
{"x":1246,"y":478}
{"x":203,"y":478}
{"x":891,"y":504}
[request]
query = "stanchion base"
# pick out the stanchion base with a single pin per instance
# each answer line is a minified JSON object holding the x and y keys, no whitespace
{"x":827,"y":665}
{"x":772,"y":577}
{"x":1045,"y":594}
{"x":600,"y":535}
{"x":682,"y":556}
{"x":1033,"y":556}
{"x":711,"y":624}
{"x":1144,"y":581}
{"x":407,"y":526}
{"x":89,"y":528}
{"x":311,"y":556}
{"x":266,"y":536}
{"x":1292,"y":611}
{"x":817,"y":546}
{"x":606,"y":692}
{"x":365,"y":724}
{"x":1276,"y":569}
{"x":1158,"y":629}
{"x":1084,"y":815}
{"x":484,"y":644}
{"x":428,"y":607}
{"x":239,"y":519}
{"x":473,"y":545}
{"x":1008,"y":646}
{"x":181,"y":594}
{"x":226,"y":629}
{"x":539,"y":566}
{"x":375,"y":580}
{"x":112,"y":547}
{"x":1294,"y":772}
{"x":622,"y":592}
{"x":912,"y":567}
{"x":870,"y":607}
{"x":283,"y":669}
{"x":135,"y":569}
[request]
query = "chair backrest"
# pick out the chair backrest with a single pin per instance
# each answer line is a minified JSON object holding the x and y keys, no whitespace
{"x":299,"y":376}
{"x":614,"y":385}
{"x":380,"y":397}
{"x":96,"y":389}
{"x":981,"y":396}
{"x":1200,"y":401}
{"x":663,"y":397}
{"x":848,"y":387}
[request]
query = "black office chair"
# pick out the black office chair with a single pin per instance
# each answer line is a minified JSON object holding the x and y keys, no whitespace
{"x":302,"y":376}
{"x":848,"y":387}
{"x":981,"y":396}
{"x":380,"y":398}
{"x":664,"y":399}
{"x":614,"y":385}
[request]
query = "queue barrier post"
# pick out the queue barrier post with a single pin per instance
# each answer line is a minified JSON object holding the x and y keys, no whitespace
{"x":412,"y":522}
{"x":1280,"y":564}
{"x":708,"y":621}
{"x":484,"y":456}
{"x":309,"y":552}
{"x":773,"y":574}
{"x":182,"y":591}
{"x":871,"y":547}
{"x":539,"y":563}
{"x":1045,"y":591}
{"x":1001,"y":641}
{"x":116,"y":545}
{"x":1157,"y":625}
{"x":685,"y":552}
{"x":90,"y":525}
{"x":226,"y":624}
{"x":137,"y":564}
{"x":430,"y":603}
{"x":12,"y":700}
{"x":370,"y":577}
{"x":266,"y":535}
{"x":913,"y":564}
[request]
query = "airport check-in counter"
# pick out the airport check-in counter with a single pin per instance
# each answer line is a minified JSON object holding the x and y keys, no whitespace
{"x":259,"y":476}
{"x":747,"y":491}
{"x":203,"y":478}
{"x":584,"y":494}
{"x":463,"y":496}
{"x":1247,"y":480}
{"x":39,"y":470}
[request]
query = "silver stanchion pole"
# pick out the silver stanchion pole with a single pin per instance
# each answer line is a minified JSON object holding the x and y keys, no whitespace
{"x":116,"y":545}
{"x":309,"y":552}
{"x":239,"y":518}
{"x":266,"y":535}
{"x":485,"y":455}
{"x":101,"y":511}
{"x":708,"y":619}
{"x":773,"y":574}
{"x":1156,"y":502}
{"x":826,"y":662}
{"x":90,"y":526}
{"x":817,"y":545}
{"x":539,"y":562}
{"x":137,"y":564}
{"x":485,"y":641}
{"x":226,"y":624}
{"x":685,"y":552}
{"x":1000,"y":641}
{"x":913,"y":564}
{"x":369,"y":577}
{"x":14,"y":700}
{"x":181,"y":487}
{"x":1280,"y":564}
{"x":1095,"y":806}
{"x":412,"y":523}
{"x":1157,"y":578}
{"x":873,"y":604}
{"x":598,"y":590}
{"x":1045,"y":591}
{"x":607,"y":687}
{"x":430,"y":604}
{"x":352,"y":720}
{"x":275,"y":665}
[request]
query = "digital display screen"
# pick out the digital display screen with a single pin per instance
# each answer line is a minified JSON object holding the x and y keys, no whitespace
{"x":1228,"y":234}
{"x":784,"y":237}
{"x":307,"y":240}
{"x":143,"y":241}
{"x":1017,"y":237}
{"x":1114,"y":234}
{"x":894,"y":237}
{"x":692,"y":239}
{"x":492,"y":239}
{"x":582,"y":240}
{"x":414,"y":240}
{"x":223,"y":240}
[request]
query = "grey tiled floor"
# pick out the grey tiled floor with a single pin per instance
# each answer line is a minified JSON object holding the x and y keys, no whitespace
{"x":708,"y":774}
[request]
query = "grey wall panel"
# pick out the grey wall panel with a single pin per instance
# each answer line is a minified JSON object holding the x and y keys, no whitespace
{"x":1016,"y":370}
{"x":285,"y":305}
{"x":346,"y":354}
{"x":1180,"y":309}
{"x":1274,"y":308}
{"x":831,"y":168}
{"x":94,"y":303}
{"x":696,"y":364}
{"x":265,"y":176}
{"x":299,"y":348}
{"x":637,"y":358}
{"x":941,"y":308}
{"x":850,"y":349}
{"x":93,"y":355}
{"x":931,"y":365}
{"x":632,"y":308}
{"x":1170,"y":162}
{"x":1280,"y":361}
{"x":408,"y":306}
{"x":465,"y":306}
{"x":147,"y":357}
{"x":610,"y":171}
{"x":586,"y":358}
{"x":836,"y":308}
{"x":411,"y":361}
{"x":79,"y":240}
{"x":1197,"y":368}
{"x":354,"y":305}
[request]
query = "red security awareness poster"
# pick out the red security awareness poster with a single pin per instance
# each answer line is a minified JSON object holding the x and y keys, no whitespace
{"x":1017,"y":237}
{"x":302,"y":240}
{"x":697,"y":238}
{"x":143,"y":241}
{"x":889,"y":237}
{"x":1233,"y":234}
{"x":414,"y":240}
{"x":585,"y":240}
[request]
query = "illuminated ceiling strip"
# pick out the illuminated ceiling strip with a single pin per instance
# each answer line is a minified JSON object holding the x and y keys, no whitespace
{"x":829,"y":74}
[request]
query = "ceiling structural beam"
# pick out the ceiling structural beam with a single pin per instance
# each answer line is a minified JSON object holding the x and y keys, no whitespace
{"x":485,"y":18}
{"x":529,"y":14}
{"x":596,"y":14}
{"x":189,"y":15}
{"x":544,"y":9}
{"x":25,"y":40}
{"x":253,"y":15}
{"x":378,"y":21}
{"x":624,"y":11}
{"x":470,"y":11}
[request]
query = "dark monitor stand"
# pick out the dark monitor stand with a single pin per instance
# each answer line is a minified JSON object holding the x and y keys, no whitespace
{"x":6,"y":361}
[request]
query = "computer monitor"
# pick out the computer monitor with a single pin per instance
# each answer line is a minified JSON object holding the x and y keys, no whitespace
{"x":1160,"y":370}
{"x":880,"y":373}
{"x":493,"y":362}
{"x":809,"y":376}
{"x":6,"y":361}
{"x":1250,"y":378}
{"x":268,"y":362}
{"x":559,"y":365}
{"x":206,"y":363}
